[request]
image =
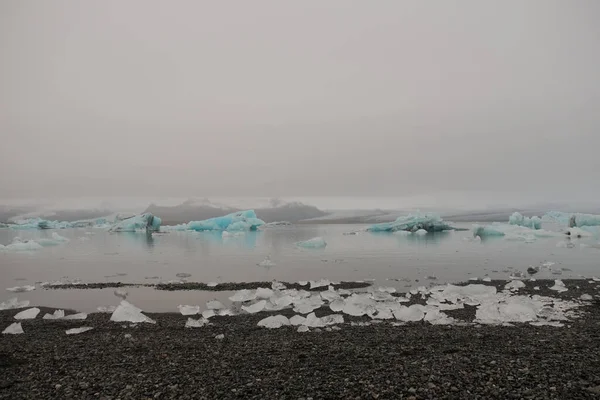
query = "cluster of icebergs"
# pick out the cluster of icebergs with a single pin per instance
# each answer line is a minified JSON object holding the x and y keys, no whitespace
{"x":19,"y":244}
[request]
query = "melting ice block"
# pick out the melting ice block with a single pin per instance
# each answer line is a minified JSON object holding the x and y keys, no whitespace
{"x":127,"y":312}
{"x":518,"y":219}
{"x":256,"y":307}
{"x":28,"y":314}
{"x":413,"y":223}
{"x":273,"y":322}
{"x":145,"y":221}
{"x":13,"y":329}
{"x":314,"y":243}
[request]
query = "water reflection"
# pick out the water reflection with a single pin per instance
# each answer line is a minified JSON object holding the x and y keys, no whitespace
{"x":431,"y":238}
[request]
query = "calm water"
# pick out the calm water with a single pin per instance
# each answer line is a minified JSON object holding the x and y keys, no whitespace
{"x":141,"y":258}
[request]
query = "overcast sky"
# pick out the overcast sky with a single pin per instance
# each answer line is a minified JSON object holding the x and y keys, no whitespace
{"x":307,"y":98}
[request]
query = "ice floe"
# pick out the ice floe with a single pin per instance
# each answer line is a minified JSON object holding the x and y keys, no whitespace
{"x":314,"y":243}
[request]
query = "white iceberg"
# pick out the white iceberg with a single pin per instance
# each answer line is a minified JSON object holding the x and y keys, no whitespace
{"x":13,"y":329}
{"x":572,"y":219}
{"x":314,"y":243}
{"x":30,"y":313}
{"x":518,"y":219}
{"x":20,"y":245}
{"x":127,"y":312}
{"x":413,"y":223}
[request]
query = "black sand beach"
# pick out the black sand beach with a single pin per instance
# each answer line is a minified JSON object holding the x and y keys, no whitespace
{"x":380,"y":361}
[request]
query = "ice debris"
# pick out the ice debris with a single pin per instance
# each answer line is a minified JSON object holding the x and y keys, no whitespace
{"x":76,"y":331}
{"x":220,"y":336}
{"x":314,"y":243}
{"x":243,"y":295}
{"x":196,"y":323}
{"x":39,"y":223}
{"x":60,"y":314}
{"x":303,"y":328}
{"x":238,"y":221}
{"x":127,"y":312}
{"x":572,"y":219}
{"x":188,"y":310}
{"x":106,"y":309}
{"x":413,"y":223}
{"x":256,"y":307}
{"x":559,"y":286}
{"x":30,"y":313}
{"x":275,"y":321}
{"x":586,"y":297}
{"x":518,"y":219}
{"x":267,"y":262}
{"x":13,"y":329}
{"x":147,"y":222}
{"x":18,"y":289}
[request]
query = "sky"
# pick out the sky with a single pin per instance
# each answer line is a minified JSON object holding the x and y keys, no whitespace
{"x":310,"y":98}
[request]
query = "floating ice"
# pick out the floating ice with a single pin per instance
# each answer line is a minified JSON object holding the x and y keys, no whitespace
{"x":409,"y":314}
{"x":121,"y":293}
{"x":13,"y":329}
{"x":518,"y":219}
{"x":573,"y":219}
{"x":28,"y":314}
{"x":39,"y":223}
{"x":145,"y":221}
{"x":267,"y":262}
{"x":319,"y":283}
{"x":188,"y":310}
{"x":127,"y":312}
{"x":196,"y":323}
{"x":20,"y":245}
{"x":559,"y":286}
{"x":238,"y":221}
{"x":243,"y":295}
{"x":215,"y":305}
{"x":18,"y":289}
{"x":314,"y":243}
{"x":511,"y":232}
{"x":274,"y":322}
{"x":256,"y":307}
{"x":76,"y":331}
{"x":421,"y":232}
{"x":413,"y":222}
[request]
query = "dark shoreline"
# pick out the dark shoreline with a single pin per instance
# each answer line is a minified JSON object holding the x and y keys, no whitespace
{"x":413,"y":361}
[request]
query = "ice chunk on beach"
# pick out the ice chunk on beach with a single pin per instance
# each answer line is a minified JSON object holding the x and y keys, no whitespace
{"x":314,"y":243}
{"x":303,"y":328}
{"x":58,"y":314}
{"x":256,"y":307}
{"x":188,"y":310}
{"x":436,"y":317}
{"x":267,"y":262}
{"x":208,"y":314}
{"x":264,"y":293}
{"x":243,"y":295}
{"x":413,"y":223}
{"x":586,"y":297}
{"x":277,"y":286}
{"x":559,"y":286}
{"x":319,"y":283}
{"x":18,"y":289}
{"x":145,"y":221}
{"x":514,"y":285}
{"x":127,"y":312}
{"x":238,"y":221}
{"x":13,"y":329}
{"x":359,"y":304}
{"x":337,"y":305}
{"x":106,"y":309}
{"x":76,"y":331}
{"x":275,"y":321}
{"x":309,"y":304}
{"x":30,"y":313}
{"x":518,"y":219}
{"x":196,"y":323}
{"x":409,"y":314}
{"x":297,"y":320}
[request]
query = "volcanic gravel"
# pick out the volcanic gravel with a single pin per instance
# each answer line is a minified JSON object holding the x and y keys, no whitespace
{"x":380,"y":361}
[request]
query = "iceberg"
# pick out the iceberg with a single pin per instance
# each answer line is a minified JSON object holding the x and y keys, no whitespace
{"x":145,"y":221}
{"x":238,"y":221}
{"x":518,"y":219}
{"x":572,"y":219}
{"x":511,"y":232}
{"x":21,"y":245}
{"x":413,"y":223}
{"x":314,"y":243}
{"x":39,"y":223}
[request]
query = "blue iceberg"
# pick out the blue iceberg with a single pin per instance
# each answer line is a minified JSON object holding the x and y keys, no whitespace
{"x":572,"y":219}
{"x":520,"y":220}
{"x":314,"y":243}
{"x":145,"y":221}
{"x":39,"y":223}
{"x":412,"y":223}
{"x":234,"y":222}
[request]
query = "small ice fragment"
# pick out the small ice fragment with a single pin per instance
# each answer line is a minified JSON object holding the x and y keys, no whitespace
{"x":76,"y":331}
{"x":437,"y":317}
{"x":267,"y":262}
{"x":387,"y":289}
{"x":314,"y":243}
{"x":536,"y":288}
{"x":274,"y":322}
{"x":487,"y":279}
{"x":595,"y":279}
{"x":514,"y":285}
{"x":13,"y":329}
{"x":193,"y":323}
{"x":297,"y":320}
{"x":30,"y":313}
{"x":108,"y":309}
{"x":58,"y":314}
{"x":208,"y":314}
{"x":332,"y":319}
{"x":264,"y":293}
{"x":78,"y":316}
{"x":302,"y":283}
{"x":408,"y":314}
{"x":215,"y":305}
{"x":559,"y":286}
{"x":256,"y":307}
{"x":188,"y":310}
{"x":547,"y":323}
{"x":586,"y":297}
{"x":303,"y":328}
{"x":127,"y":312}
{"x":18,"y":289}
{"x":212,"y":284}
{"x":243,"y":295}
{"x":277,"y":286}
{"x":220,"y":337}
{"x":474,"y":278}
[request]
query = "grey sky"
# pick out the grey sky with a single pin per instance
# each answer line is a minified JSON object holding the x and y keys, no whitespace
{"x":274,"y":98}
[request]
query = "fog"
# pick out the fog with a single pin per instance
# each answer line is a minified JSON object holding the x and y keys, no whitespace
{"x":270,"y":98}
